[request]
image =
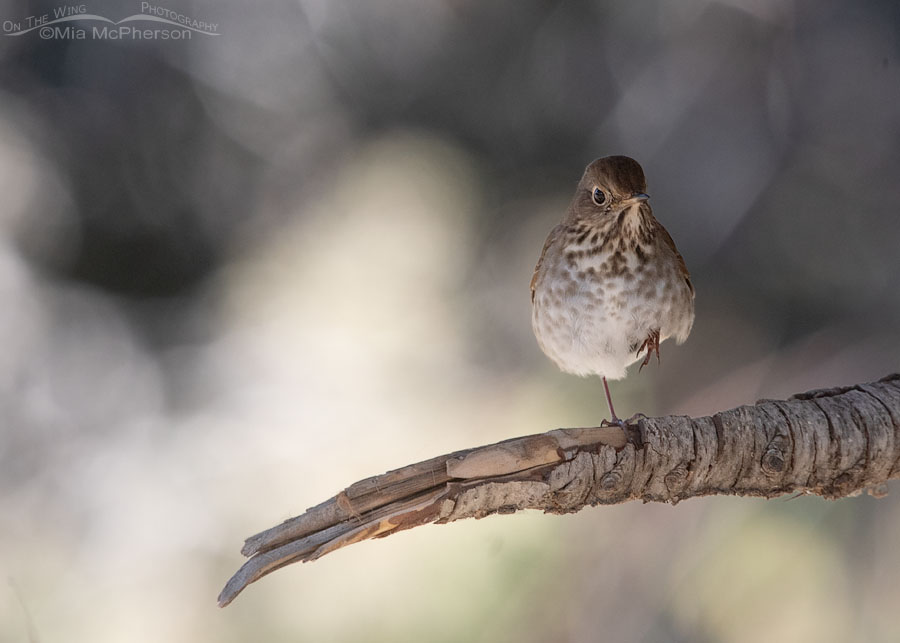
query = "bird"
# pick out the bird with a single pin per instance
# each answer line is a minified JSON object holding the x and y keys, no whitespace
{"x":609,"y":284}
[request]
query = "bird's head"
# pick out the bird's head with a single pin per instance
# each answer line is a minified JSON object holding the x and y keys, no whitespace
{"x":610,"y":185}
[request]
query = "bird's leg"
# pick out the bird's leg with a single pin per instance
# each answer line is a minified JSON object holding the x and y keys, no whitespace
{"x":651,"y":344}
{"x":614,"y":421}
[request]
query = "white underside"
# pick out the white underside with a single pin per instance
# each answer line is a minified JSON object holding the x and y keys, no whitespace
{"x":591,"y":338}
{"x":586,"y":344}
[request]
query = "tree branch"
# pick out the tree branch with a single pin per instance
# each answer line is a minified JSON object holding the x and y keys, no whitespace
{"x":833,"y":443}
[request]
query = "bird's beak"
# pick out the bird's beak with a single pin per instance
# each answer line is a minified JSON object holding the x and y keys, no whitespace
{"x":634,"y":199}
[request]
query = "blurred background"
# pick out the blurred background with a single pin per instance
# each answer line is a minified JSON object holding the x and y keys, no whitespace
{"x":242,"y":271}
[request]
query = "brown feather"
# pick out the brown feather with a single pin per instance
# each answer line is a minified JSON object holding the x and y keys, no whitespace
{"x":667,"y":239}
{"x":554,"y":234}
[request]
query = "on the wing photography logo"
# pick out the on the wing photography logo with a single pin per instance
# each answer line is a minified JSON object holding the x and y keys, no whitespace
{"x":73,"y":22}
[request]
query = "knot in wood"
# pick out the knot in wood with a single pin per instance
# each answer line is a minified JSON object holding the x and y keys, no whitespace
{"x":773,"y":461}
{"x":774,"y":458}
{"x":676,"y":479}
{"x":610,"y":480}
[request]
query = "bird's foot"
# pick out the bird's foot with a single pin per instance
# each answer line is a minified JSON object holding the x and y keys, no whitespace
{"x":619,"y":422}
{"x":651,"y":344}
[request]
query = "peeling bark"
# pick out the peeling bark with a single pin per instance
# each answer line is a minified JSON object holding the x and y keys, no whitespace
{"x":832,"y":443}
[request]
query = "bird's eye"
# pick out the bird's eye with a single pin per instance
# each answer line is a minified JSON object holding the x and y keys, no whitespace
{"x":599,"y":196}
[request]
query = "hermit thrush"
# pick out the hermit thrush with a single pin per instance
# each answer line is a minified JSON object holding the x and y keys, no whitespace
{"x":610,"y":283}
